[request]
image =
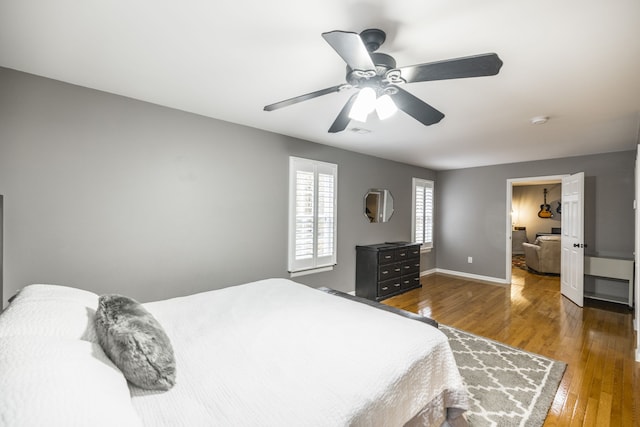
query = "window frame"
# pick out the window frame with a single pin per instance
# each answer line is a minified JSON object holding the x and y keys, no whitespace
{"x":428,"y":217}
{"x":315,"y":263}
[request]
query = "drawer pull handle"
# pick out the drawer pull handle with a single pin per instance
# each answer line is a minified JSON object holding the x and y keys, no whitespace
{"x":384,"y":288}
{"x":387,"y":257}
{"x":385,"y":272}
{"x":397,"y":285}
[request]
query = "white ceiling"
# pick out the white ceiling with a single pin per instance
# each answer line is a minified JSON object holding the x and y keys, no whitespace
{"x":576,"y":61}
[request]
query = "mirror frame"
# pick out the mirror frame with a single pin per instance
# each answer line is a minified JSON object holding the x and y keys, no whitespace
{"x":378,"y":205}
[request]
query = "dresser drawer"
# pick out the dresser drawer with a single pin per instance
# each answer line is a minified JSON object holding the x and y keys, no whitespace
{"x":402,"y":254}
{"x":414,"y":252}
{"x":389,"y":287}
{"x":385,"y":257}
{"x":411,"y":266}
{"x":411,"y":281}
{"x":389,"y":271}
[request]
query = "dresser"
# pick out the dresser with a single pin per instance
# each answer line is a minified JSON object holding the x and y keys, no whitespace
{"x":387,"y":269}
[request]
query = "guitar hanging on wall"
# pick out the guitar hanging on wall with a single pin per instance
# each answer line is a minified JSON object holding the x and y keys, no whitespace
{"x":545,"y":209}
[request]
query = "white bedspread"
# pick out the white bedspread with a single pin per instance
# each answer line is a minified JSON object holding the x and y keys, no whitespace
{"x":276,"y":353}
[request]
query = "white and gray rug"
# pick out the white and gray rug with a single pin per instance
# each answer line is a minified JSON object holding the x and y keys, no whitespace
{"x":507,"y":386}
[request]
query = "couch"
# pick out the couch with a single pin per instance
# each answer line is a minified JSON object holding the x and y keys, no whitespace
{"x":543,"y":255}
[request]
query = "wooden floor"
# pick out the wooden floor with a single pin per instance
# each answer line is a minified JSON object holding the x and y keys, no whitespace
{"x":601,"y":386}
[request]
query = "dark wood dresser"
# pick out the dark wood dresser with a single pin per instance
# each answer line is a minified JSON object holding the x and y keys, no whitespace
{"x":387,"y":269}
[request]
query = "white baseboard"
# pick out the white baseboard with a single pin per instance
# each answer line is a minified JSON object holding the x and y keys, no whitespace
{"x":427,"y":272}
{"x":638,"y":355}
{"x":470,"y":276}
{"x":352,"y":293}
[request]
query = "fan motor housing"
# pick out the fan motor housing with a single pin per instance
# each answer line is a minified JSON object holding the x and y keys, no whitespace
{"x":383,"y":63}
{"x":373,"y":38}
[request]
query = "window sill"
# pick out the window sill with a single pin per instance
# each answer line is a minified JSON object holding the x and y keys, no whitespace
{"x":425,"y":250}
{"x":310,"y":271}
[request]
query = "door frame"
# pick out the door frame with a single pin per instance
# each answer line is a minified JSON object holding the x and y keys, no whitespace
{"x":533,"y":180}
{"x":636,"y":201}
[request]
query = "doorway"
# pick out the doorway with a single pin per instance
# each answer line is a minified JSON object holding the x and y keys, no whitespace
{"x":524,"y":212}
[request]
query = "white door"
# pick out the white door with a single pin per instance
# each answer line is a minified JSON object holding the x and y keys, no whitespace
{"x":572,"y":258}
{"x":636,"y":253}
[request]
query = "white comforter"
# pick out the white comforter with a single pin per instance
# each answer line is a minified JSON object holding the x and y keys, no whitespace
{"x":276,"y":353}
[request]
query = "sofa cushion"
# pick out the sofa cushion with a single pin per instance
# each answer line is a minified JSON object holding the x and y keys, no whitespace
{"x":544,"y":255}
{"x":554,"y":238}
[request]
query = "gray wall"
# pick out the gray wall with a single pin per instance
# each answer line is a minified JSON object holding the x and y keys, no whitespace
{"x":115,"y":195}
{"x":111,"y":194}
{"x":471,"y":209}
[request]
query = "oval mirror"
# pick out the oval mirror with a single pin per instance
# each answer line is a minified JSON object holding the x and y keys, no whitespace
{"x":378,"y":205}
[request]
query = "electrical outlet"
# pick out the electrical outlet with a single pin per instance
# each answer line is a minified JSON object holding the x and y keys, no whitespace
{"x":470,"y":260}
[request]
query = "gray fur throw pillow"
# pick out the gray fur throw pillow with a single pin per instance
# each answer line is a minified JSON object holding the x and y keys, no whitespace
{"x":135,"y":342}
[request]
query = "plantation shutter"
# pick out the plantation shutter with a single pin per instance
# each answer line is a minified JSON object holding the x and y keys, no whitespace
{"x":423,"y":212}
{"x":312,"y":222}
{"x":304,"y":219}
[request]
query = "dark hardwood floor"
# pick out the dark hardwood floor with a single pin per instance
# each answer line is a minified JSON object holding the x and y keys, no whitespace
{"x":601,"y":386}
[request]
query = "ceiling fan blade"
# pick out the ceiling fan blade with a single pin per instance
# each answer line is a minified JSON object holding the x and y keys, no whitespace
{"x":301,"y":98}
{"x":416,"y":108}
{"x":351,"y":48}
{"x":471,"y":66}
{"x":343,"y":119}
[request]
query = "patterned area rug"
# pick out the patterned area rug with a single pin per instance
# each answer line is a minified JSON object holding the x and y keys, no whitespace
{"x":519,"y":262}
{"x":507,"y":386}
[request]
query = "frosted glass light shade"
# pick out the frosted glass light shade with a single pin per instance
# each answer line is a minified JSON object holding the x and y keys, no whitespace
{"x":364,"y":104}
{"x":385,"y":107}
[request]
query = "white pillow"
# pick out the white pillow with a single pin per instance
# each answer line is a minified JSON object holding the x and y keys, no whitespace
{"x":60,"y":382}
{"x":51,"y":310}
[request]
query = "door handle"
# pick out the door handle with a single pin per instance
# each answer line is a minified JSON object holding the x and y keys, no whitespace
{"x":579,"y":245}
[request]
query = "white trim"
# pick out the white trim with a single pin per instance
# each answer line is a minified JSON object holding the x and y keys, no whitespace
{"x":473,"y":276}
{"x":427,"y":183}
{"x":509,"y":248}
{"x":428,"y":272}
{"x":310,"y":271}
{"x":313,"y":262}
{"x":636,"y":247}
{"x":534,"y":180}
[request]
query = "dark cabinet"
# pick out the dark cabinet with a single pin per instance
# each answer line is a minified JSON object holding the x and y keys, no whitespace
{"x":387,"y":269}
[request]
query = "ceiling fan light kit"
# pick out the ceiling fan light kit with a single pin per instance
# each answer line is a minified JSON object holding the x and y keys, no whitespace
{"x":364,"y":104}
{"x":377,"y":79}
{"x":385,"y":107}
{"x":367,"y":100}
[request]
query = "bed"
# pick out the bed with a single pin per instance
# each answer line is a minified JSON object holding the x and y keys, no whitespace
{"x":268,"y":353}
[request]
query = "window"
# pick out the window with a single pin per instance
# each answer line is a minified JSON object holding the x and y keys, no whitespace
{"x":312,"y":215}
{"x":422,"y":221}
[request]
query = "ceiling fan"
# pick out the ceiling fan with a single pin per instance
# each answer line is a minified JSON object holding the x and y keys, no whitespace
{"x":378,"y":80}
